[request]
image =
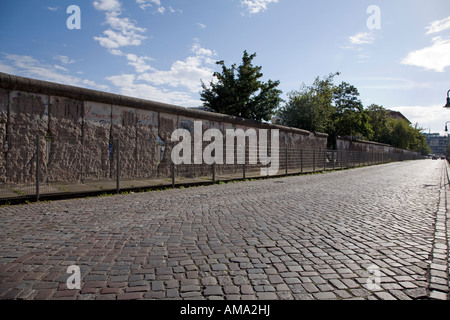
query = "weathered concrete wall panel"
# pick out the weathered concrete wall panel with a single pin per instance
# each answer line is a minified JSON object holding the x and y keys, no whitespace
{"x":149,"y":148}
{"x":168,"y":123}
{"x":344,"y":144}
{"x":64,"y":140}
{"x":78,"y":130}
{"x":124,"y":124}
{"x":28,"y":120}
{"x":97,"y":144}
{"x":3,"y":145}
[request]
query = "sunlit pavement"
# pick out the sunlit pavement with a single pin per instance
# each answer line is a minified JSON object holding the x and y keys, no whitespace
{"x":377,"y":232}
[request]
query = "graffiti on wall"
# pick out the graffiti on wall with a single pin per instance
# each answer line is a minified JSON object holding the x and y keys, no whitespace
{"x":97,"y":113}
{"x":161,"y":146}
{"x":187,"y":125}
{"x":147,"y":118}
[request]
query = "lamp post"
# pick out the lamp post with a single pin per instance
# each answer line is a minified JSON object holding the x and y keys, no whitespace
{"x":446,"y":140}
{"x":448,"y":100}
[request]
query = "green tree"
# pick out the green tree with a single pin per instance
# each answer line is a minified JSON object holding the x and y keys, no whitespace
{"x":310,"y":108}
{"x":378,"y":120}
{"x":239,"y":92}
{"x":403,"y":135}
{"x":400,"y":133}
{"x":350,"y":118}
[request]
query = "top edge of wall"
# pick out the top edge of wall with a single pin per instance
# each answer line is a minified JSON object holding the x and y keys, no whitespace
{"x":365,"y":141}
{"x":12,"y":82}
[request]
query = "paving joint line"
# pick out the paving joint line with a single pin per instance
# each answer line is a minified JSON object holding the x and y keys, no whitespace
{"x":439,"y":271}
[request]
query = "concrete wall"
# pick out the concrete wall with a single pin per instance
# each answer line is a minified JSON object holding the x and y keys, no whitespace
{"x":77,"y":130}
{"x":344,"y":144}
{"x":3,"y":121}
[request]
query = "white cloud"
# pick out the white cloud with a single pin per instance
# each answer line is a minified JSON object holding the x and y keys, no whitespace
{"x":58,"y":67}
{"x":426,"y":116}
{"x":113,"y":39}
{"x":201,"y":25}
{"x":256,"y":6}
{"x":64,"y":59}
{"x":127,"y":84}
{"x":199,"y":51}
{"x":7,"y":68}
{"x":28,"y":66}
{"x":52,"y":8}
{"x":435,"y":57}
{"x":187,"y":73}
{"x":144,"y":4}
{"x":139,"y":62}
{"x":123,"y":32}
{"x":158,"y":85}
{"x":172,"y":10}
{"x":124,"y":25}
{"x":438,"y":26}
{"x":107,"y":5}
{"x":362,"y":38}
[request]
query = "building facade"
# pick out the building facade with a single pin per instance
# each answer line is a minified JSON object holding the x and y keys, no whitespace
{"x":437,"y":142}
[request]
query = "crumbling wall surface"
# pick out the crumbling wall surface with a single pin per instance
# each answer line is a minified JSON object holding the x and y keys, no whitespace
{"x":388,"y":151}
{"x":150,"y":148}
{"x":28,"y":121}
{"x":3,"y":143}
{"x":123,"y":128}
{"x":98,"y":148}
{"x":168,"y":123}
{"x":64,"y":140}
{"x":78,"y":129}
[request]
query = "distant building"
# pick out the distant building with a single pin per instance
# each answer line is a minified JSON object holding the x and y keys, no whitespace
{"x":437,"y":142}
{"x":397,"y":115}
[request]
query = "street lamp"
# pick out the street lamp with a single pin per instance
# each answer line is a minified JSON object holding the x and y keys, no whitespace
{"x":448,"y":100}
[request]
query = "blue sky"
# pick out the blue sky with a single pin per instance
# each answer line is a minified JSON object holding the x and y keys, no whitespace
{"x":160,"y":49}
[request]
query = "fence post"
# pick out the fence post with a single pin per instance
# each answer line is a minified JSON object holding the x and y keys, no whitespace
{"x":118,"y":166}
{"x":314,"y":160}
{"x":301,"y":161}
{"x":172,"y":167}
{"x":214,"y":172}
{"x":37,"y":168}
{"x":286,"y":161}
{"x":334,"y":159}
{"x":349,"y":154}
{"x":325,"y":160}
{"x":173,"y":174}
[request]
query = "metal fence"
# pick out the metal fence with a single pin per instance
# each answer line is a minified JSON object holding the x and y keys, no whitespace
{"x":49,"y":167}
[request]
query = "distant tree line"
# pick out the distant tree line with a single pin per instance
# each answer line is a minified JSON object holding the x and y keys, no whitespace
{"x":335,"y":109}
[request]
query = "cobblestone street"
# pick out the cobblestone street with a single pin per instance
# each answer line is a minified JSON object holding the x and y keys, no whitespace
{"x":377,"y":232}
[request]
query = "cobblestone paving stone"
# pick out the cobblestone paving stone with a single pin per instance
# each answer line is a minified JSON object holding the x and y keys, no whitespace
{"x":293,"y":238}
